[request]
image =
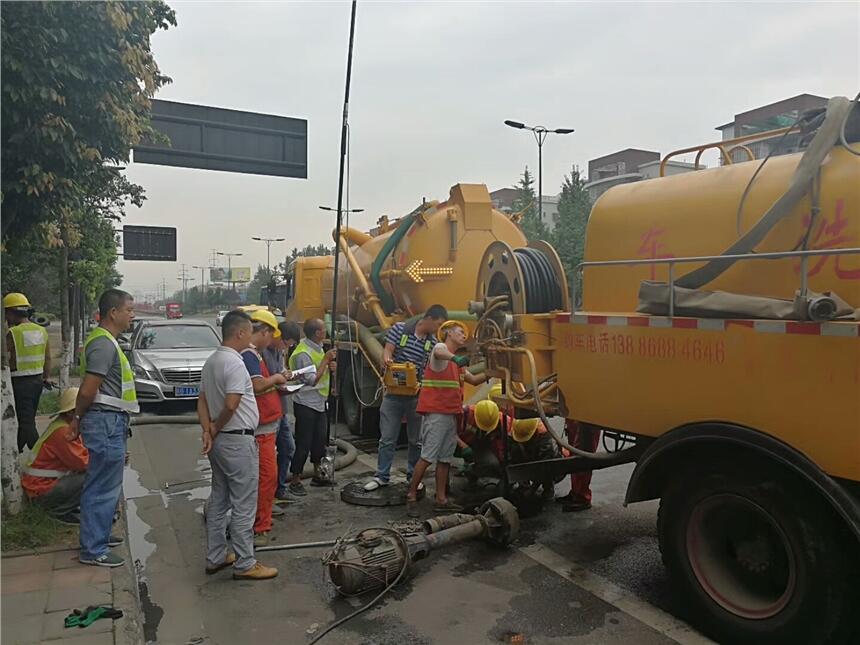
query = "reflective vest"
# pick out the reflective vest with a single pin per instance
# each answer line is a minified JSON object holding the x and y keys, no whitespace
{"x":269,"y":400}
{"x":30,"y":340}
{"x":317,"y":357}
{"x":128,"y":402}
{"x":442,"y":391}
{"x":45,"y":472}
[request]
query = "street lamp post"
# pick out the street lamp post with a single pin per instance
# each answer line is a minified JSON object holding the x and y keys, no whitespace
{"x":540,"y":133}
{"x":230,"y":257}
{"x":268,"y":241}
{"x":202,"y":278}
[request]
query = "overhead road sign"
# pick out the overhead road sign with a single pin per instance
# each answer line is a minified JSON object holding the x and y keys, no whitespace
{"x":156,"y":243}
{"x":213,"y":138}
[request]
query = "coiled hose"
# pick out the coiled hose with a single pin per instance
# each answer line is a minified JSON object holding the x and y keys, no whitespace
{"x":543,"y":293}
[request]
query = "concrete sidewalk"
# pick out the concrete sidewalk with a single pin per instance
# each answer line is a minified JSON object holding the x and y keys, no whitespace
{"x":40,"y":590}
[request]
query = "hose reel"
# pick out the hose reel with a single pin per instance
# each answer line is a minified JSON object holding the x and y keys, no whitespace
{"x":531,"y":278}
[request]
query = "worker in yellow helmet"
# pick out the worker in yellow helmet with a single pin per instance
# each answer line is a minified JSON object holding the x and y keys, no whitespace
{"x":29,"y":361}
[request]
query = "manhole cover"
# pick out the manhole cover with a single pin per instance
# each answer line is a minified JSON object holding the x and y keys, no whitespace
{"x":392,"y":495}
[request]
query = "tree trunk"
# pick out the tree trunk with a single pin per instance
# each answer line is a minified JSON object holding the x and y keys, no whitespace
{"x":10,"y":471}
{"x":76,"y":317}
{"x":65,"y":327}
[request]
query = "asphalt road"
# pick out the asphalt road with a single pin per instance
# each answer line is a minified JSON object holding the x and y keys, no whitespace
{"x":593,"y":577}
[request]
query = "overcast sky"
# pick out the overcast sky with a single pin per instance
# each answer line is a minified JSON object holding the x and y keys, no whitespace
{"x":432,"y":84}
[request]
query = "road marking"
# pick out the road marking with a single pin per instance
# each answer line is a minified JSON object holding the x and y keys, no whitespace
{"x":611,"y":593}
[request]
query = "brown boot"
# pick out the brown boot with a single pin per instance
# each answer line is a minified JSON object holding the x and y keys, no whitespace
{"x":257,"y":572}
{"x":230,"y":559}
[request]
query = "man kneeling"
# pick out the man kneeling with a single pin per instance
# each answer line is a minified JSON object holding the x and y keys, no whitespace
{"x":55,"y":477}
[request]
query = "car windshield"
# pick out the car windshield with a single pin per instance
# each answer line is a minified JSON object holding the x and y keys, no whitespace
{"x":177,"y":337}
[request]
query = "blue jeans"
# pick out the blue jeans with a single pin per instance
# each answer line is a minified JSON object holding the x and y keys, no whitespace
{"x":285,"y":443}
{"x":391,"y":413}
{"x":105,"y":435}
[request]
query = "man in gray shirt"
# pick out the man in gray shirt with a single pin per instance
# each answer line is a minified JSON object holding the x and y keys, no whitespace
{"x":228,"y":415}
{"x":105,"y":400}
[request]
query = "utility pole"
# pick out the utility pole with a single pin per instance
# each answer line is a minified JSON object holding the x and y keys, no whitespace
{"x":183,"y":277}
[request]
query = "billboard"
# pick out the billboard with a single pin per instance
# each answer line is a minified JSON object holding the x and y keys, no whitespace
{"x":213,"y":138}
{"x":149,"y":243}
{"x":236,"y":274}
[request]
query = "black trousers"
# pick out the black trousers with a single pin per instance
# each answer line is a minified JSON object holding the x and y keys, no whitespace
{"x":310,"y":437}
{"x":27,"y":391}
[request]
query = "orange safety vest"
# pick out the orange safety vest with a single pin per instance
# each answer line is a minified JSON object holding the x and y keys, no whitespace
{"x":442,"y":391}
{"x":269,"y":400}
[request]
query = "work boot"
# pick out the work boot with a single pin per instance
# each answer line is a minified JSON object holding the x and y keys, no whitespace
{"x":283,"y":496}
{"x":228,"y":561}
{"x":114,"y":540}
{"x":257,"y":572}
{"x":262,"y":539}
{"x":277,"y":511}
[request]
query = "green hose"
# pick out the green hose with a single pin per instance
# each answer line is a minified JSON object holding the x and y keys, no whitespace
{"x":384,"y":297}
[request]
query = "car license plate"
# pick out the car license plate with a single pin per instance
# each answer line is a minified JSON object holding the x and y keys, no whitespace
{"x":187,"y":391}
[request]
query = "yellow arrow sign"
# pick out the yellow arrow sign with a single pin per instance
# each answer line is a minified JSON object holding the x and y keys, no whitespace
{"x":418,"y":272}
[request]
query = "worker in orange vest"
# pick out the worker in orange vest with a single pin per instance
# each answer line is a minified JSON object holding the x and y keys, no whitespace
{"x":441,"y":403}
{"x":54,"y":476}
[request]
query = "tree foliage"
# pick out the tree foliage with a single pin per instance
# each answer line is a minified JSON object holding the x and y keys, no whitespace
{"x":77,"y":83}
{"x":574,"y":207}
{"x":526,"y":202}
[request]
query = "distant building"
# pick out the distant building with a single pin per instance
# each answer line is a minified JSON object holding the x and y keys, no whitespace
{"x":619,"y":163}
{"x":504,"y":198}
{"x":626,"y":166}
{"x":769,"y":117}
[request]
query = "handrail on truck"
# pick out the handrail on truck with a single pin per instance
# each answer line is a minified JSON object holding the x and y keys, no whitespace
{"x":803,"y":255}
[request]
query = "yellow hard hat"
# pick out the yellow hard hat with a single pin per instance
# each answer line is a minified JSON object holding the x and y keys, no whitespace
{"x":524,"y":429}
{"x":495,"y":391}
{"x":268,"y":318}
{"x":67,"y":400}
{"x":486,"y":415}
{"x":440,"y":334}
{"x":15,"y":300}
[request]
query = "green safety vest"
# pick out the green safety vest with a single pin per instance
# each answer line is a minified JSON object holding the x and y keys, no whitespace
{"x":128,"y":402}
{"x":30,"y":340}
{"x":316,"y":356}
{"x":45,"y":472}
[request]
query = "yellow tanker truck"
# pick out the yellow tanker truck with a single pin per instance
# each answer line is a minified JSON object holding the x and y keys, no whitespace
{"x":718,"y":337}
{"x":392,"y":273}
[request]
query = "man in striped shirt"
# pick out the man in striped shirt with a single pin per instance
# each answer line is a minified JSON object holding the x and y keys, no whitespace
{"x":408,"y":342}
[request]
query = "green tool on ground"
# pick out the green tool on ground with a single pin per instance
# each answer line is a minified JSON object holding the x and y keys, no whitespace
{"x":86,"y":617}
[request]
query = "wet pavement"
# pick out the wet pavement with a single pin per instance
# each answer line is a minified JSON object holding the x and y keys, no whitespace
{"x":593,"y":577}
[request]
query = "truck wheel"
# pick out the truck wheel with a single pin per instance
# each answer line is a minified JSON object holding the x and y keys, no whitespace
{"x":755,"y":557}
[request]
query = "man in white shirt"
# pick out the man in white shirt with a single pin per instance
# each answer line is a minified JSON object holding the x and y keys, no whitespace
{"x":228,"y":414}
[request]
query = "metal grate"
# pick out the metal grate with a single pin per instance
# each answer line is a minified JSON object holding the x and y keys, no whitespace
{"x":181,"y":376}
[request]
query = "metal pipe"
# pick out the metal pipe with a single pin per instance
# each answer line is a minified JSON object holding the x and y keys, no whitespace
{"x":442,"y":522}
{"x":705,"y":258}
{"x":354,"y":236}
{"x":473,"y":529}
{"x":803,"y":276}
{"x":372,"y":300}
{"x":301,"y":545}
{"x":671,"y":289}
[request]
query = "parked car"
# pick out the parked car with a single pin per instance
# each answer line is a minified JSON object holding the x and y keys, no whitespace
{"x":220,"y":317}
{"x":167,"y":358}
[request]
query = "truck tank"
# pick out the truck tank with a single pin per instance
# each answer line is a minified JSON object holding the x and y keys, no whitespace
{"x":696,"y":213}
{"x":402,"y":267}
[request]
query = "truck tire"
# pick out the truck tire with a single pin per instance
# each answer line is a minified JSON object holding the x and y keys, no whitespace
{"x":755,"y":556}
{"x":350,"y":407}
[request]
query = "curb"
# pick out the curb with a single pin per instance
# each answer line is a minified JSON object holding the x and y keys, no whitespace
{"x":129,"y":630}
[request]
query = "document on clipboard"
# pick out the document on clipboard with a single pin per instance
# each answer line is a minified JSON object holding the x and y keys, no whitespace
{"x":289,"y":388}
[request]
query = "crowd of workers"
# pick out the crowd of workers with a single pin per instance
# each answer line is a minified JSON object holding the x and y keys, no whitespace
{"x":74,"y":469}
